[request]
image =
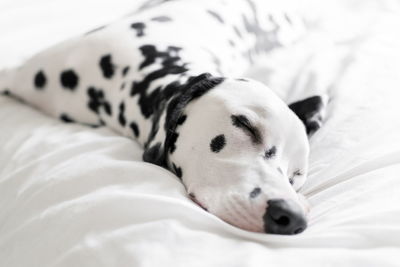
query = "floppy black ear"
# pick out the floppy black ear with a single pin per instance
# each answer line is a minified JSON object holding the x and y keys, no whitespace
{"x":195,"y":87}
{"x":311,"y":112}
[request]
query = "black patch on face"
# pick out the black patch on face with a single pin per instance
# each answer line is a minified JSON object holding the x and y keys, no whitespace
{"x":174,"y":98}
{"x":135,"y":128}
{"x":139,"y":27}
{"x":193,"y":89}
{"x":218,"y":143}
{"x":216,"y":16}
{"x":125,"y":71}
{"x":270,"y":153}
{"x":95,"y":30}
{"x":106,"y":66}
{"x":307,"y":110}
{"x":161,"y":19}
{"x":97,"y":100}
{"x":243,"y":123}
{"x":256,"y":191}
{"x":40,"y":80}
{"x":121,"y":116}
{"x":177,"y":170}
{"x":69,"y":79}
{"x":66,"y":118}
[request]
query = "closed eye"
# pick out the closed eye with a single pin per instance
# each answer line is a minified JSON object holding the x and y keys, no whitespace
{"x":242,"y":122}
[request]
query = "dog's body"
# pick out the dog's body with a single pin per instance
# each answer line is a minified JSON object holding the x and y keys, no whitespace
{"x":145,"y":77}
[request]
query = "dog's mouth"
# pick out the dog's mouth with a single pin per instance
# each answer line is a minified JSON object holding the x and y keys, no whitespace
{"x":279,"y":217}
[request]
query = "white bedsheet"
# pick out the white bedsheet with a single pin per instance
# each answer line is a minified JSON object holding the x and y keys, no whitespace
{"x":74,"y":196}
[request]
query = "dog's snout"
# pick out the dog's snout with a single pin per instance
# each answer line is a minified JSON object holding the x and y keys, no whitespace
{"x":284,"y":217}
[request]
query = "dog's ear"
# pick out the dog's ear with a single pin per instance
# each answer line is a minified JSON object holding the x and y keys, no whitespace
{"x":195,"y":87}
{"x":311,"y":112}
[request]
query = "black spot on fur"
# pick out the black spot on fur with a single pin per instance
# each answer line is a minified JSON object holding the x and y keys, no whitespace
{"x":121,"y":116}
{"x":5,"y":92}
{"x":266,"y":39}
{"x":135,"y":129}
{"x":66,"y":118}
{"x":156,"y":99}
{"x":288,"y":18}
{"x":181,"y":120}
{"x":173,"y":138}
{"x":256,"y":192}
{"x":40,"y":80}
{"x":216,"y":16}
{"x":236,"y":30}
{"x":308,"y":111}
{"x":150,"y":53}
{"x":125,"y":71}
{"x":154,"y":154}
{"x":69,"y":79}
{"x":243,"y":123}
{"x":95,"y":30}
{"x":107,"y":108}
{"x":177,"y":170}
{"x":270,"y":153}
{"x":97,"y":100}
{"x":139,"y":27}
{"x":218,"y":143}
{"x":106,"y":66}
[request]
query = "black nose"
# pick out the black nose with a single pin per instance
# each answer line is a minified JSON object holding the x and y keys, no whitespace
{"x":284,"y":217}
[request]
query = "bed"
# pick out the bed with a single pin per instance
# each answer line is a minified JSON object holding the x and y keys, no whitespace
{"x":75,"y":196}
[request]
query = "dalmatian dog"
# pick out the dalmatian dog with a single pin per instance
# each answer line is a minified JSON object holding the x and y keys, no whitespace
{"x":169,"y":76}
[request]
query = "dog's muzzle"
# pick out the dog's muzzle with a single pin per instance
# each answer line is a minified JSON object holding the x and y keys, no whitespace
{"x":284,"y":217}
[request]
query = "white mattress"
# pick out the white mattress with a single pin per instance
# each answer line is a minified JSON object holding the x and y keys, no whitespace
{"x":75,"y":196}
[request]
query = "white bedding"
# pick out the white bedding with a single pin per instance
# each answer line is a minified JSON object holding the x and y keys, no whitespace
{"x":75,"y":196}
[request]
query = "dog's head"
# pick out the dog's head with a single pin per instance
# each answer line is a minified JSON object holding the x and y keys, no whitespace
{"x":242,"y":154}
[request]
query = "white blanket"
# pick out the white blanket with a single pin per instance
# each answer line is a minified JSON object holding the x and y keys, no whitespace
{"x":75,"y":196}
